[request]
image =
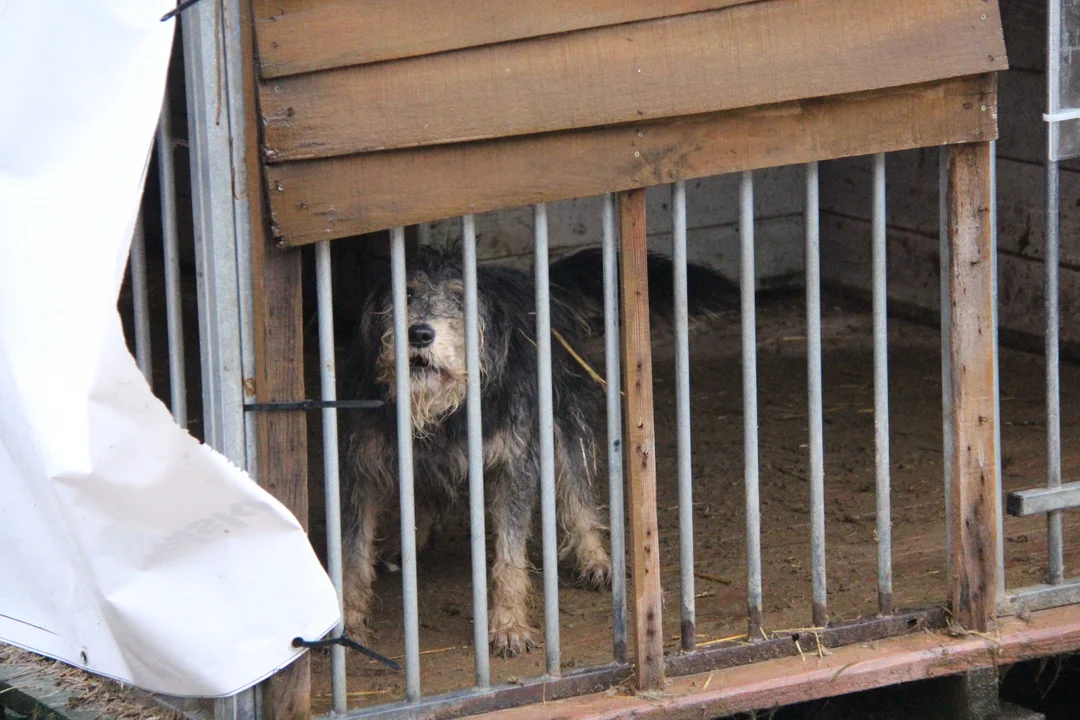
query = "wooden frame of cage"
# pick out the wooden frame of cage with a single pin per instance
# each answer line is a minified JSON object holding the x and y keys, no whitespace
{"x":300,"y":159}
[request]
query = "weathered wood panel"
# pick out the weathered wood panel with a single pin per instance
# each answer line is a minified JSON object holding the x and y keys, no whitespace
{"x":754,"y":54}
{"x":974,"y":495}
{"x":320,"y":34}
{"x":640,"y":445}
{"x":339,"y":197}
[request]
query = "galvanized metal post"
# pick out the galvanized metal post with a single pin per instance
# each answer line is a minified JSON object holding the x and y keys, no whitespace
{"x":173,"y":308}
{"x":405,"y":465}
{"x":747,"y":278}
{"x":331,"y":474}
{"x":682,"y":416}
{"x":813,"y":370}
{"x":881,"y":391}
{"x":140,"y":300}
{"x":547,"y":442}
{"x":476,"y":455}
{"x":222,"y":240}
{"x":616,"y":521}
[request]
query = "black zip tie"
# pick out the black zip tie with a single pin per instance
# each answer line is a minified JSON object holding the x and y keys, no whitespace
{"x":348,"y":642}
{"x":178,"y":9}
{"x":314,"y":405}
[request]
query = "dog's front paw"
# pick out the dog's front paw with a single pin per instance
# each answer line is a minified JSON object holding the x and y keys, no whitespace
{"x":510,"y":641}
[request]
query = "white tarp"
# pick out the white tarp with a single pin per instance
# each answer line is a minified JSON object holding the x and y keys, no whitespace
{"x":126,"y":547}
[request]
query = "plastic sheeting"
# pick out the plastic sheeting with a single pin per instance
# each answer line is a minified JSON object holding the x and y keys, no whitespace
{"x":126,"y":546}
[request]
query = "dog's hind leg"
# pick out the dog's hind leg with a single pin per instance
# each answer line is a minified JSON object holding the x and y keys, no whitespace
{"x":359,"y":556}
{"x":509,"y":631}
{"x":575,"y":473}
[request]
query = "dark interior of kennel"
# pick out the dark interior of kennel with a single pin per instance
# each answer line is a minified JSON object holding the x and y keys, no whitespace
{"x":918,"y":521}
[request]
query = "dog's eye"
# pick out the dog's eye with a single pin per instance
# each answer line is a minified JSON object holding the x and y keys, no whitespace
{"x":409,"y":294}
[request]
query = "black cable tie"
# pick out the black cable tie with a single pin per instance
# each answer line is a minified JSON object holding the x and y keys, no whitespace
{"x":348,"y":642}
{"x":314,"y":405}
{"x":178,"y":9}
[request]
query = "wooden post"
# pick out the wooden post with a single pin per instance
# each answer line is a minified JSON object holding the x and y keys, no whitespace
{"x":973,"y":495}
{"x":279,"y":373}
{"x":640,"y":459}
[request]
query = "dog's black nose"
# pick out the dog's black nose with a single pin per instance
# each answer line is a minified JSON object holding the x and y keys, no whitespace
{"x":421,"y":335}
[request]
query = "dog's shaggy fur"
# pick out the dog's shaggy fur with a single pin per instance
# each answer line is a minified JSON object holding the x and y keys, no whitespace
{"x":509,"y":397}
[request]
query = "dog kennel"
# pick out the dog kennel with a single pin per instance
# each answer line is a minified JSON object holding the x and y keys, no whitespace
{"x":830,"y":534}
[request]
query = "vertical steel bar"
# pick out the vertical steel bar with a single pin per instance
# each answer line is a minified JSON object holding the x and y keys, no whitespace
{"x":547,"y":442}
{"x":616,"y":520}
{"x":881,"y":392}
{"x":1000,"y":547}
{"x":173,"y":309}
{"x":747,"y":276}
{"x":476,"y":454}
{"x":682,"y":416}
{"x":405,"y":466}
{"x":141,"y":301}
{"x":215,"y":101}
{"x":1050,"y":286}
{"x":331,"y":476}
{"x":813,"y":371}
{"x":1053,"y":380}
{"x":946,"y":355}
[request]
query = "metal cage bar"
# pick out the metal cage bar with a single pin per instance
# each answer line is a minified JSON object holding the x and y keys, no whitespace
{"x":682,"y":416}
{"x":547,"y":442}
{"x":1053,"y":377}
{"x":476,"y":455}
{"x":946,"y":356}
{"x":750,"y":414}
{"x":405,"y":465}
{"x":616,"y":519}
{"x":881,"y":391}
{"x":331,"y":474}
{"x":820,"y":613}
{"x":174,"y":318}
{"x":140,"y":300}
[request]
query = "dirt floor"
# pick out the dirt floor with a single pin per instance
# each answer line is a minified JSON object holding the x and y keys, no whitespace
{"x":716,"y":383}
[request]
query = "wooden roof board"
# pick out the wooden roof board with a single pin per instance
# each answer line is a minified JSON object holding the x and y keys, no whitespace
{"x":754,"y":54}
{"x":343,"y":196}
{"x":298,"y":37}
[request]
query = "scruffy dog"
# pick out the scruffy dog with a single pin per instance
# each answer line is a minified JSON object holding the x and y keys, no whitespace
{"x":509,"y":397}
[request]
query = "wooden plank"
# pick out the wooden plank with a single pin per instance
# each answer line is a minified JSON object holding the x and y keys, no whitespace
{"x":340,"y":197}
{"x":786,"y":681}
{"x":754,"y":54}
{"x":640,"y":463}
{"x":279,"y":376}
{"x":329,"y":34}
{"x":974,"y":495}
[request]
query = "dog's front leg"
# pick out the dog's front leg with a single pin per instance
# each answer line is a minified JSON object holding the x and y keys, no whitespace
{"x":511,"y":596}
{"x":359,"y":571}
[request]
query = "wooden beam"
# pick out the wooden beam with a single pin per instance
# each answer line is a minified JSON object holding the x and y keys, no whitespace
{"x":855,"y":668}
{"x":640,"y":463}
{"x":341,"y":197}
{"x":279,"y":376}
{"x":754,"y":54}
{"x":327,"y":34}
{"x":975,"y":493}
